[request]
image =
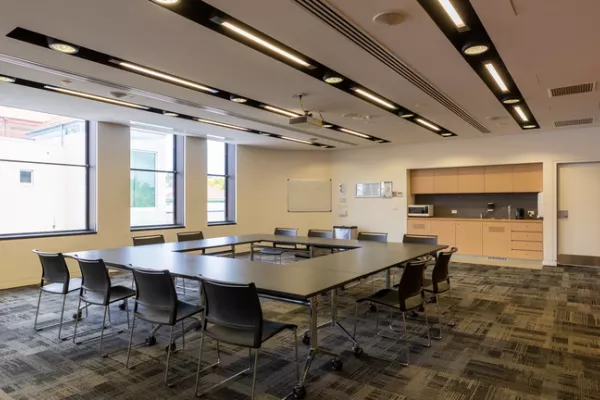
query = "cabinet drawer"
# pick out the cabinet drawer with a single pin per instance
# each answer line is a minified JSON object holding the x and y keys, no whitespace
{"x":527,"y":236}
{"x":535,"y":246}
{"x":527,"y":255}
{"x":527,"y":227}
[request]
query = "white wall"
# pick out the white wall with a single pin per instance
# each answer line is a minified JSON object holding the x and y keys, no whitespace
{"x":390,"y":162}
{"x":261,"y":201}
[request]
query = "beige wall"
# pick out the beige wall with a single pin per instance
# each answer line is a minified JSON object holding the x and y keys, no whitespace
{"x":261,"y":201}
{"x":391,"y":163}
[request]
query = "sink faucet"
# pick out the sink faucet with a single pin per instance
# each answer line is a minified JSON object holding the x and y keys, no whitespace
{"x":509,"y":214}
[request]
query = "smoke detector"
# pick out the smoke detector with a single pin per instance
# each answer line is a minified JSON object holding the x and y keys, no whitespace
{"x":118,"y":95}
{"x":390,"y":18}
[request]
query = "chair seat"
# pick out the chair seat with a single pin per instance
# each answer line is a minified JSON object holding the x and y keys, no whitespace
{"x":116,"y":293}
{"x":73,"y":285}
{"x":442,"y":287}
{"x":245,"y":338}
{"x":271,"y":251}
{"x":184,"y":310}
{"x":389,"y":298}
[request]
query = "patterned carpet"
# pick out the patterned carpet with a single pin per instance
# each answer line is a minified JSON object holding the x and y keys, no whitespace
{"x":521,"y":334}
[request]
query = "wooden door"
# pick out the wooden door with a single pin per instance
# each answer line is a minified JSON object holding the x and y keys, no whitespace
{"x":471,"y":180}
{"x":499,"y":179}
{"x":469,"y":237}
{"x":528,"y":178}
{"x":421,"y":181}
{"x":496,"y":239}
{"x":445,"y":231}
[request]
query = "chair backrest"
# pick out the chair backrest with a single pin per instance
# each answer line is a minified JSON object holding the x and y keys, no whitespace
{"x":189,"y":236}
{"x":411,"y":282}
{"x":234,"y":306}
{"x":420,"y":239}
{"x":146,"y":240}
{"x":286,"y":231}
{"x":54,"y":269}
{"x":440,"y":269}
{"x":95,"y":277}
{"x":373,"y":236}
{"x":155,"y":290}
{"x":320,"y":233}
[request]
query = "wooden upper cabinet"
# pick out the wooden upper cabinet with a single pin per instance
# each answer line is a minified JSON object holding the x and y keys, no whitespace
{"x":445,"y":180}
{"x":499,"y":179}
{"x":471,"y":180}
{"x":421,"y":181}
{"x":528,"y":178}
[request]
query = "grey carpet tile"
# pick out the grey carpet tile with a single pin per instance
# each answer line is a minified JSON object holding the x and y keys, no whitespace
{"x":520,"y":334}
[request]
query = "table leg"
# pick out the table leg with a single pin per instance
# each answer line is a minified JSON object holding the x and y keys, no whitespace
{"x":388,"y":278}
{"x":251,"y":251}
{"x":311,"y":250}
{"x":233,"y":251}
{"x":300,"y":388}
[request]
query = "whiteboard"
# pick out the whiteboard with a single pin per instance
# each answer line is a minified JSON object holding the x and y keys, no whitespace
{"x":309,"y":195}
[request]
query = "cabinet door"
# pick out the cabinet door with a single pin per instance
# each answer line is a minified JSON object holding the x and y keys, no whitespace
{"x":496,"y":239}
{"x":445,"y":180}
{"x":445,"y":231}
{"x":528,"y":178}
{"x":469,"y":237}
{"x":418,"y":227}
{"x":421,"y":181}
{"x":499,"y":179}
{"x":471,"y":180}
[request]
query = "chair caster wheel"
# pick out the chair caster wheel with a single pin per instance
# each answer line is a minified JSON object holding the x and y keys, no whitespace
{"x":150,"y":340}
{"x":358,"y":351}
{"x":172,"y":346}
{"x":306,"y":339}
{"x":372,"y":308}
{"x":122,"y":306}
{"x":299,"y":392}
{"x":78,"y":316}
{"x":336,"y":364}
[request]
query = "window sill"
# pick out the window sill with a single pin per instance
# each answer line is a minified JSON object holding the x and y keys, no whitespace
{"x":45,"y":235}
{"x":222,"y":223}
{"x":156,"y":228}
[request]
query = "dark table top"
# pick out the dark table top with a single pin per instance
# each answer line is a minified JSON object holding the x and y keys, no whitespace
{"x":298,"y":281}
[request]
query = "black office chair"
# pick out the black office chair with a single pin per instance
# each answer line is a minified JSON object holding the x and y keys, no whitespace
{"x":277,"y":250}
{"x":56,"y":279}
{"x":147,"y":240}
{"x":320,"y":233}
{"x":373,"y":236}
{"x":407,"y":297}
{"x":422,"y":239}
{"x":233,"y":315}
{"x":440,"y":283}
{"x":188,"y":237}
{"x":156,"y":302}
{"x":96,"y":289}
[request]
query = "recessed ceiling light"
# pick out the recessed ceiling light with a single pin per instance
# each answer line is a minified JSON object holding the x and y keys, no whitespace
{"x":280,"y":111}
{"x":375,"y":98}
{"x":407,"y":115}
{"x":221,"y":124}
{"x":351,"y":132}
{"x":529,"y":126}
{"x":427,"y":124}
{"x":522,"y":115}
{"x":62,"y":47}
{"x":453,"y":14}
{"x":295,"y":140}
{"x":379,"y":141}
{"x":166,"y":2}
{"x":332,"y":78}
{"x":264,"y":134}
{"x":216,"y":137}
{"x":511,"y":100}
{"x":492,"y":70}
{"x":98,"y":98}
{"x":166,"y":77}
{"x":150,"y":125}
{"x":170,"y":114}
{"x":237,"y":99}
{"x":264,"y":43}
{"x":474,"y":49}
{"x":327,"y":126}
{"x":6,"y":79}
{"x":446,"y":134}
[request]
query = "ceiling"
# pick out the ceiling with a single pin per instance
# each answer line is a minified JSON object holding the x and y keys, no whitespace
{"x":544,"y":44}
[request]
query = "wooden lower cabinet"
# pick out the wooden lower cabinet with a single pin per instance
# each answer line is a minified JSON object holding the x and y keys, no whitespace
{"x":418,"y":226}
{"x":497,"y":239}
{"x":469,"y":237}
{"x":527,"y":241}
{"x":445,"y":231}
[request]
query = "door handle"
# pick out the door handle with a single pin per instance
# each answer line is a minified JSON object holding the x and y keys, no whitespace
{"x":563,"y":214}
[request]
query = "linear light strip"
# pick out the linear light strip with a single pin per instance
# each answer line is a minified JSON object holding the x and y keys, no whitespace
{"x":280,"y":111}
{"x":164,"y":76}
{"x":375,"y":98}
{"x":295,"y":140}
{"x":264,"y":43}
{"x":492,"y":70}
{"x":519,"y":111}
{"x":222,"y":124}
{"x":98,"y":98}
{"x":427,"y":124}
{"x":452,"y":13}
{"x":351,"y":132}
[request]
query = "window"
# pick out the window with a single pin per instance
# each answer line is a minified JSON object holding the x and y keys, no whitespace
{"x":221,"y":182}
{"x":53,"y":150}
{"x":154,"y":179}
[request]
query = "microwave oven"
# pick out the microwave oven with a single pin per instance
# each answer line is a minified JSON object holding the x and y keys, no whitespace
{"x":420,"y":210}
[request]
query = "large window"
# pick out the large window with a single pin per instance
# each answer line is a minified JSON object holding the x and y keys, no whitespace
{"x":221,"y":183}
{"x":154,"y":179}
{"x":44,"y":173}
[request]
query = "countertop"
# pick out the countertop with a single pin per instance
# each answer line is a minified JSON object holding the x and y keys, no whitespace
{"x":525,"y":221}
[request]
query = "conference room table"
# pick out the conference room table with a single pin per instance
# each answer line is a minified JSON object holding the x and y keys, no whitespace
{"x":301,"y":282}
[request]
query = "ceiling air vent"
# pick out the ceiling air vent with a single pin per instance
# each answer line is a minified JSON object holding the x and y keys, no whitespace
{"x":572,"y":122}
{"x":574,"y":89}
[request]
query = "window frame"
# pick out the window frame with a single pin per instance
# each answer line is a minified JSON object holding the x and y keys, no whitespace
{"x":230,"y":187}
{"x":178,"y":185}
{"x":90,"y":189}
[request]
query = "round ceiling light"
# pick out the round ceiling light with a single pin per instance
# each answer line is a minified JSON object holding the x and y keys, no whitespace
{"x":529,"y":126}
{"x":170,"y":114}
{"x":6,"y":79}
{"x":237,"y":99}
{"x":62,"y":47}
{"x":475,"y":49}
{"x":167,"y":2}
{"x":332,"y":78}
{"x":511,"y":100}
